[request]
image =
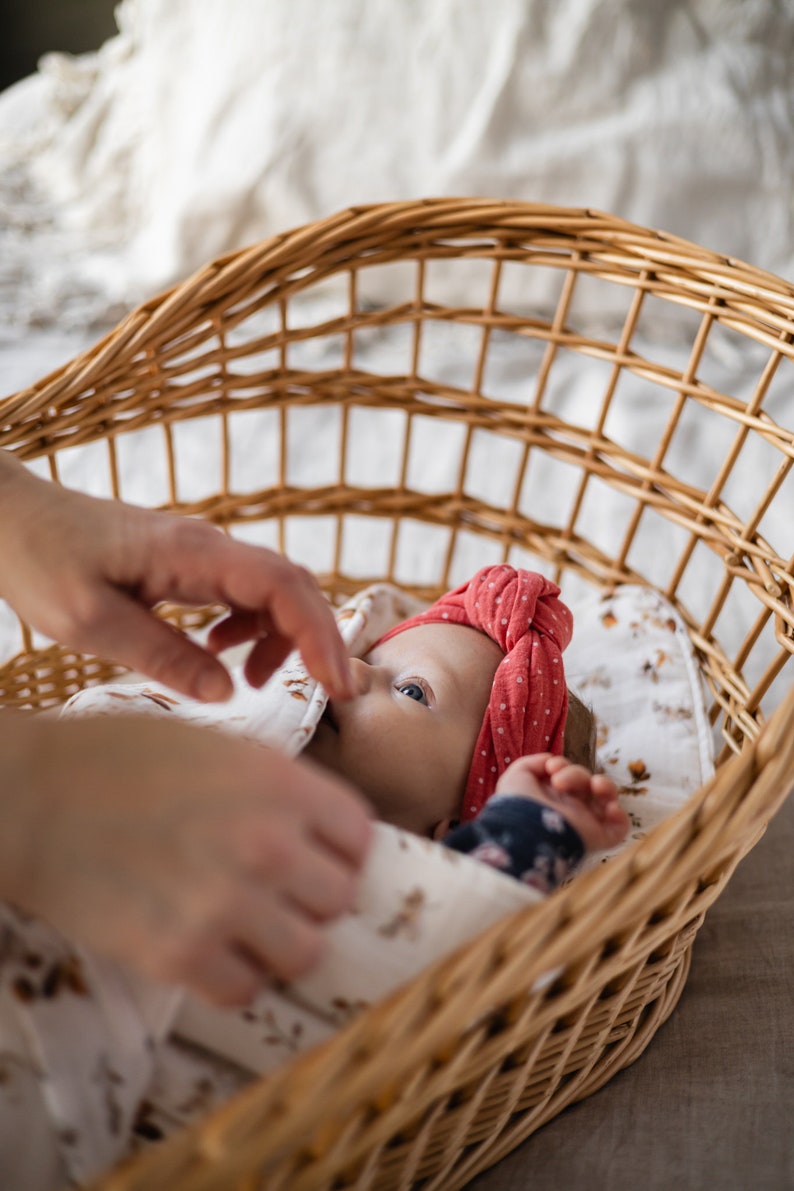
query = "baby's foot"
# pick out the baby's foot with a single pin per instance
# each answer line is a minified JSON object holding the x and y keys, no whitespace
{"x":588,"y":801}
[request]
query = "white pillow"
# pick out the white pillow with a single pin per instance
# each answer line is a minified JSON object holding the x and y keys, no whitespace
{"x":632,"y":660}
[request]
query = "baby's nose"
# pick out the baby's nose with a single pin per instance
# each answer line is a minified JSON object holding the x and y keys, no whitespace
{"x":362,"y":675}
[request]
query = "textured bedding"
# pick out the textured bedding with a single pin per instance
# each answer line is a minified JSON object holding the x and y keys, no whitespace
{"x":132,"y":173}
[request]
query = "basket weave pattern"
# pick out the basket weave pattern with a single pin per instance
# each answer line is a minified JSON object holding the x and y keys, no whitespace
{"x":490,"y":1045}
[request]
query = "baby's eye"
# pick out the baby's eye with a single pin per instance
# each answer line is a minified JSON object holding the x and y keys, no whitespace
{"x":412,"y":690}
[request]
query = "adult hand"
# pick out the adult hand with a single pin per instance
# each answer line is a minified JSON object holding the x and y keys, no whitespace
{"x":196,"y":857}
{"x":88,"y":572}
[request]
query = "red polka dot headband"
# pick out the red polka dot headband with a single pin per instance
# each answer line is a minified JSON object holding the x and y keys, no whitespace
{"x":521,"y":612}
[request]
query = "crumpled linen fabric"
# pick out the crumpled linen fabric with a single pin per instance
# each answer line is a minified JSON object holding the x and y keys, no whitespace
{"x":202,"y":127}
{"x":522,"y":613}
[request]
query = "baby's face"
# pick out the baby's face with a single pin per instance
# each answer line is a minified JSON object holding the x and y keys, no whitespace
{"x":406,"y":739}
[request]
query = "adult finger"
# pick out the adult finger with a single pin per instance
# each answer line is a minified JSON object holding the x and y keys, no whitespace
{"x":266,"y":655}
{"x":314,"y":631}
{"x":269,"y":648}
{"x":279,"y":938}
{"x":228,"y":975}
{"x":130,"y":634}
{"x":257,"y":580}
{"x":318,"y":881}
{"x":298,"y":805}
{"x":190,"y":561}
{"x":335,"y":816}
{"x":236,"y":629}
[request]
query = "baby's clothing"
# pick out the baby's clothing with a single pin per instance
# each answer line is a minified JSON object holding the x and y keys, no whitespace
{"x":521,"y":838}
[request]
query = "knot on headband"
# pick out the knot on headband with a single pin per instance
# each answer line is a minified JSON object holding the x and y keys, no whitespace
{"x":520,"y":611}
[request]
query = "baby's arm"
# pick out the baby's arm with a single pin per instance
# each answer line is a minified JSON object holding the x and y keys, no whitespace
{"x":546,"y":812}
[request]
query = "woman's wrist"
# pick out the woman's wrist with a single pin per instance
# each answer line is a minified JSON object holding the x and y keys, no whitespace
{"x":21,"y":812}
{"x":12,"y":473}
{"x":18,"y":494}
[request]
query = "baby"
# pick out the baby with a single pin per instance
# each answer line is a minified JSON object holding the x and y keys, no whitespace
{"x":462,"y":729}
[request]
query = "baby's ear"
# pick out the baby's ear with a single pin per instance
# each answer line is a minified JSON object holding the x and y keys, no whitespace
{"x":580,"y":741}
{"x":443,"y":828}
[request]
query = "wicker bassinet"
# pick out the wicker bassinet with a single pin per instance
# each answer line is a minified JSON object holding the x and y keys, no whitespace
{"x":453,"y":1071}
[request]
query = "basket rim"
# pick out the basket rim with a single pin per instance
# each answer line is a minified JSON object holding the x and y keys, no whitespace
{"x":352,"y":227}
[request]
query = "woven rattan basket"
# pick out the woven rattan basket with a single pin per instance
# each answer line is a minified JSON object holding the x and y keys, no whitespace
{"x":454,"y":1070}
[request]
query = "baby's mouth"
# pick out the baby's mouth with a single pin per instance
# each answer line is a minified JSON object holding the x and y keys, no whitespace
{"x":329,"y":718}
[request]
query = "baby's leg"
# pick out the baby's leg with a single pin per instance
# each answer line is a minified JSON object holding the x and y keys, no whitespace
{"x":587,"y":801}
